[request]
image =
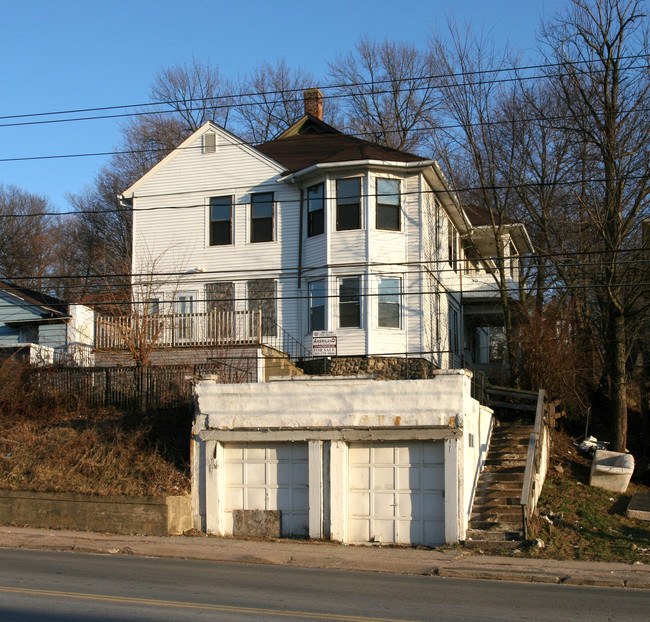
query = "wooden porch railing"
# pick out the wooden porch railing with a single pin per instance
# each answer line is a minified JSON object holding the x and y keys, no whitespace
{"x":172,"y":330}
{"x":196,"y":330}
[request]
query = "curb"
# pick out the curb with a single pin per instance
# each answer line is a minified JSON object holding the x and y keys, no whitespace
{"x":485,"y":568}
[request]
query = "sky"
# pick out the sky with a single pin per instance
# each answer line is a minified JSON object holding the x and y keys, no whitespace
{"x":60,"y":55}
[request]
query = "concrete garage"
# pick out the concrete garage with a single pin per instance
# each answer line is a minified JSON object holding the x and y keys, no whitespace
{"x":354,"y":460}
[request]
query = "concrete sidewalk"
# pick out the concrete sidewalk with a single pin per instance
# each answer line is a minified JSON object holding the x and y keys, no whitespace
{"x":456,"y":562}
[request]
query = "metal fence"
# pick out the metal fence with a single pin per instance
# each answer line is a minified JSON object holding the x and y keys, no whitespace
{"x":137,"y":388}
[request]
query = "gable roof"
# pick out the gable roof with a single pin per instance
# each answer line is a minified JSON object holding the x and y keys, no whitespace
{"x":311,"y":141}
{"x":208,"y":126}
{"x":52,"y":306}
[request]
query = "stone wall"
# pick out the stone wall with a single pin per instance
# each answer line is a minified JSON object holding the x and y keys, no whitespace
{"x":152,"y":516}
{"x":386,"y":368}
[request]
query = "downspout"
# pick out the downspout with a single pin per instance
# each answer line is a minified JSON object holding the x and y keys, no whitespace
{"x":300,"y":229}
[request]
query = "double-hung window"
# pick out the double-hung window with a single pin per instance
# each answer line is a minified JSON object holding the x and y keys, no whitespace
{"x":388,"y":302}
{"x":184,"y":316}
{"x":452,"y":246}
{"x":454,"y":337}
{"x":388,"y":204}
{"x":315,"y":210}
{"x":350,"y":302}
{"x":348,"y":204}
{"x":262,"y":217}
{"x":220,"y":221}
{"x":317,"y":297}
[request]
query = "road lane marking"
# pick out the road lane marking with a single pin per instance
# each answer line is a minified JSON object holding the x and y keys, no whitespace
{"x":179,"y":604}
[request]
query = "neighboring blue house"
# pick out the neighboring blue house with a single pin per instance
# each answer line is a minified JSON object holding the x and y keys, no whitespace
{"x":46,"y":329}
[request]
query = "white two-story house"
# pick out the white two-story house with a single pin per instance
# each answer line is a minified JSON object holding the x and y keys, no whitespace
{"x":315,"y":230}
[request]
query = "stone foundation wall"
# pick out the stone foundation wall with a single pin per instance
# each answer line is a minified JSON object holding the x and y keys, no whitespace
{"x":152,"y":516}
{"x":386,"y":368}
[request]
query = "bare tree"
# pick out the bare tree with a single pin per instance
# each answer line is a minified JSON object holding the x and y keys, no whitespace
{"x":598,"y":68}
{"x":195,"y":93}
{"x":388,"y":95}
{"x":29,"y":238}
{"x":477,"y":142}
{"x":271,"y":99}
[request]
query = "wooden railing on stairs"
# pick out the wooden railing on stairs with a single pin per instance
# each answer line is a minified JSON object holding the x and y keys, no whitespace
{"x":536,"y":462}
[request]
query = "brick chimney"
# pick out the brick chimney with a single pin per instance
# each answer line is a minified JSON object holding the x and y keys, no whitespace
{"x":314,"y":103}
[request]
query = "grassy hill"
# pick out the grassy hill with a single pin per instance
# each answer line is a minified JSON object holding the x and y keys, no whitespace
{"x":593,"y":525}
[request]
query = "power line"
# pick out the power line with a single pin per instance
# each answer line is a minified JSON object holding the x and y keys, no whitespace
{"x":362,"y":135}
{"x":211,"y":192}
{"x":228,"y":97}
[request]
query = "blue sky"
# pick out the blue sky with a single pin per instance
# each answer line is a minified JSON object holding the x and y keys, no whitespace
{"x":72,"y":54}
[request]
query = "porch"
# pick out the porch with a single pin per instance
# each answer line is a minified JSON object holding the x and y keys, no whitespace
{"x":214,"y":329}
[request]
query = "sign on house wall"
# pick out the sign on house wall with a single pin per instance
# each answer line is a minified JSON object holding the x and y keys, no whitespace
{"x":323,"y":343}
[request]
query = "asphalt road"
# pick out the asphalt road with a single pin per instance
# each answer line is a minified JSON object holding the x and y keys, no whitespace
{"x":58,"y":587}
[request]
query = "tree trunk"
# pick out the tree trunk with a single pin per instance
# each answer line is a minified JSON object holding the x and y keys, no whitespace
{"x":616,"y":362}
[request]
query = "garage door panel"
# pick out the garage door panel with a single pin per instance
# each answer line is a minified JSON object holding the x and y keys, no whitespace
{"x":432,"y":508}
{"x":383,"y":504}
{"x":300,"y":498}
{"x":383,"y":478}
{"x":255,"y":499}
{"x":408,"y":478}
{"x":234,"y":498}
{"x":384,"y":455}
{"x":433,"y":478}
{"x":235,"y":474}
{"x":359,"y":530}
{"x":281,"y":473}
{"x":383,"y":531}
{"x":408,"y":505}
{"x":233,"y":451}
{"x":268,"y":477}
{"x":299,"y":451}
{"x":359,"y":454}
{"x":300,"y":473}
{"x":359,"y":477}
{"x":255,"y":474}
{"x":256,"y":453}
{"x":407,"y":454}
{"x":403,"y":501}
{"x":433,"y":453}
{"x":360,"y":501}
{"x":433,"y":531}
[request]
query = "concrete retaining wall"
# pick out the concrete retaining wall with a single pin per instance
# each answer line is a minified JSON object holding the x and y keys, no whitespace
{"x":153,"y":516}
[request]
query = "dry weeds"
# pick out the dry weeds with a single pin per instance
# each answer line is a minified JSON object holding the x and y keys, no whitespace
{"x":54,"y":443}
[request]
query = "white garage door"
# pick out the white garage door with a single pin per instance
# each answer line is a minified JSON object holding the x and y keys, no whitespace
{"x":396,"y":493}
{"x":268,"y":476}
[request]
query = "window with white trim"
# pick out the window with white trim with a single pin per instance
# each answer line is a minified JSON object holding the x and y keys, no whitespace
{"x":388,"y":302}
{"x":348,"y":204}
{"x":262,"y":217}
{"x":388,"y":204}
{"x":350,"y":302}
{"x":220,"y":220}
{"x":452,"y":245}
{"x":317,"y":298}
{"x":315,"y":210}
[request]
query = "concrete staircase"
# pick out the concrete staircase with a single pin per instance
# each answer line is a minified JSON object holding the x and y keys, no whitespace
{"x":496,"y":520}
